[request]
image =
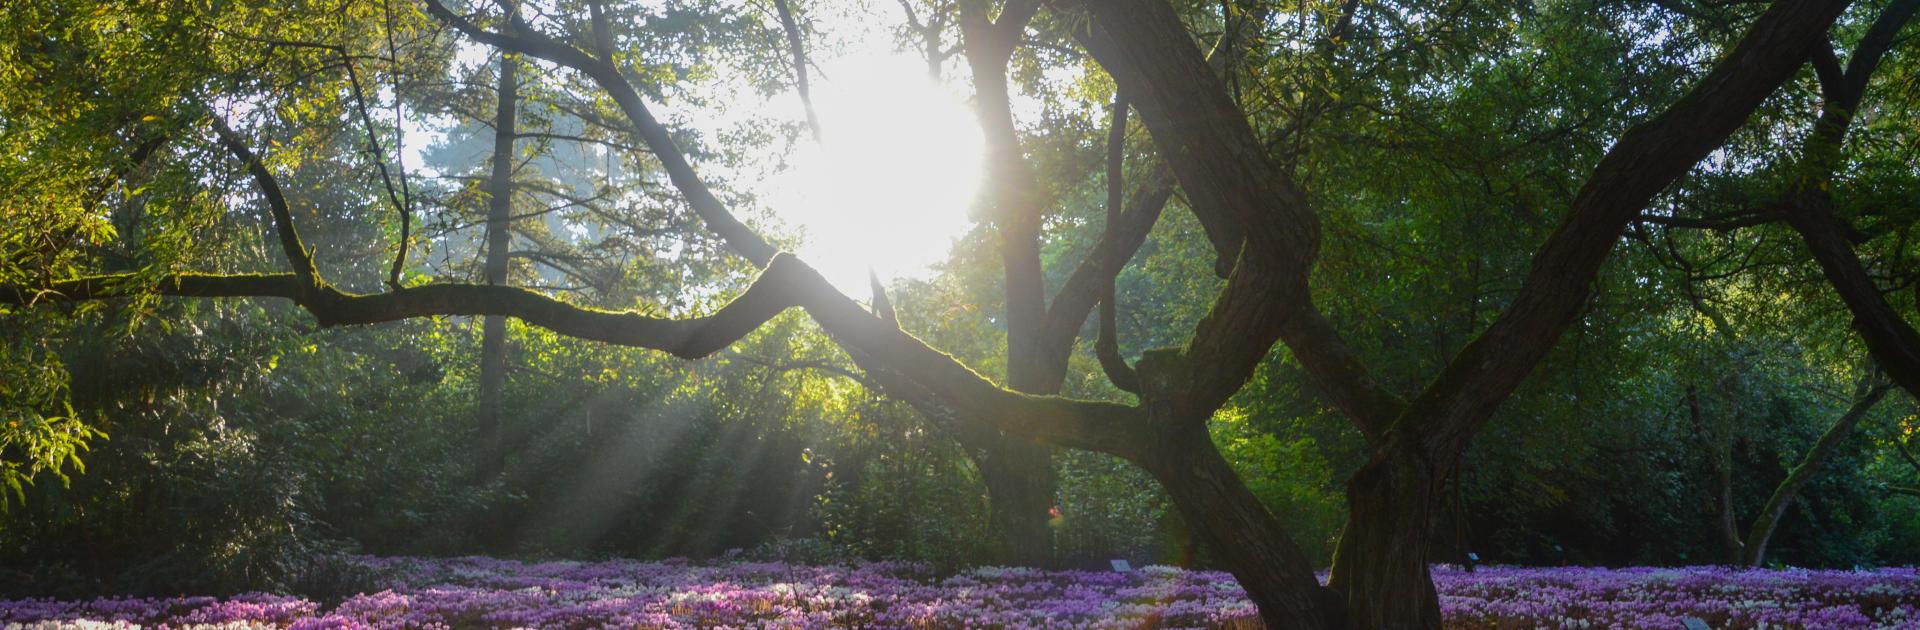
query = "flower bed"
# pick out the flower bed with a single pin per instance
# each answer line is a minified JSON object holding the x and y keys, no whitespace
{"x":489,"y":593}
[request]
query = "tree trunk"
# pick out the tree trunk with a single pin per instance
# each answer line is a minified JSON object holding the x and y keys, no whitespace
{"x":1019,"y":477}
{"x":1017,"y":472}
{"x":1230,"y":520}
{"x":1380,"y":565}
{"x":1783,"y":495}
{"x":1721,"y":448}
{"x":493,"y":339}
{"x":1732,"y":546}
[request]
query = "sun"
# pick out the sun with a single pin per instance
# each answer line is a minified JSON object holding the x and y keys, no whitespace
{"x":888,"y":186}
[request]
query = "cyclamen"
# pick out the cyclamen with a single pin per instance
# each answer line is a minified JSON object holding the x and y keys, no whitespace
{"x":480,"y":592}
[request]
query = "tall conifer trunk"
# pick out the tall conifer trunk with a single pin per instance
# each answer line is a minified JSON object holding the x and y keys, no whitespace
{"x":493,"y":341}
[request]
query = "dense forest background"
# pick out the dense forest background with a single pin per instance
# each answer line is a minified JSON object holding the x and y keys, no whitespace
{"x":166,"y":445}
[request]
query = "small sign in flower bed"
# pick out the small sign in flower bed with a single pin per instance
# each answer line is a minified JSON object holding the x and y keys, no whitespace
{"x":489,"y":593}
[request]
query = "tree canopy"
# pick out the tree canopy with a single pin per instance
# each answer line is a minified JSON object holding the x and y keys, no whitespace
{"x":1365,"y":285}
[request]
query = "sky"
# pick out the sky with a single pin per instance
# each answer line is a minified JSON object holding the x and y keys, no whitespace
{"x":887,"y":187}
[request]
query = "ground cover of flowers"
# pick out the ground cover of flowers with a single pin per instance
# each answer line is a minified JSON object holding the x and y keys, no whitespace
{"x":490,"y":593}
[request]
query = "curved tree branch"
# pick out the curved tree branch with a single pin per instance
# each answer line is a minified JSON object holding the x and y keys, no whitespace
{"x":530,"y":41}
{"x":1648,"y":158}
{"x":1235,"y":190}
{"x":298,"y":258}
{"x":1107,"y":346}
{"x":787,"y":282}
{"x":1892,"y":341}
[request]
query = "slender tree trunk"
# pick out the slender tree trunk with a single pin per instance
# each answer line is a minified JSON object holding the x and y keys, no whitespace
{"x":798,"y":49}
{"x":1018,"y":473}
{"x":1731,"y":547}
{"x":1731,"y":544}
{"x":493,"y":340}
{"x":1783,"y":495}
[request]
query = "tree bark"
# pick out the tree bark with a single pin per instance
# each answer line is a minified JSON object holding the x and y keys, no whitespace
{"x":1229,"y":519}
{"x":499,"y":236}
{"x":1018,"y":473}
{"x":1020,"y":484}
{"x":1381,"y":562}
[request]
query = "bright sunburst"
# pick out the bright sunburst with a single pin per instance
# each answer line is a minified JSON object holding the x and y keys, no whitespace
{"x":889,"y":186}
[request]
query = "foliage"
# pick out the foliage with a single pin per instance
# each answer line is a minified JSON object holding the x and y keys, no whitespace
{"x":153,"y":445}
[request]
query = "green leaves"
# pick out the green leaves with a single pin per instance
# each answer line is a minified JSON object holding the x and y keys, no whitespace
{"x":42,"y":445}
{"x":39,"y":431}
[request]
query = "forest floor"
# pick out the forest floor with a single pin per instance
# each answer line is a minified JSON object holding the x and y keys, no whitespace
{"x":490,"y":593}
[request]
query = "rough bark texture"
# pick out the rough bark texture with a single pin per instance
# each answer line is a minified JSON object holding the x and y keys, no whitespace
{"x":1380,"y":566}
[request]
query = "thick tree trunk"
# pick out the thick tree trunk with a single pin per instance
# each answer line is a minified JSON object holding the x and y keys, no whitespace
{"x":1017,"y":472}
{"x":1019,"y":477}
{"x":1231,"y":521}
{"x":1380,"y":566}
{"x":493,"y":339}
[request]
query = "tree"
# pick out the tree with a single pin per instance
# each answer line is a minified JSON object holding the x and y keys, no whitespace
{"x":1754,"y":546}
{"x":1266,"y":233}
{"x":499,"y":239}
{"x":1805,"y":202}
{"x":1040,"y":332}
